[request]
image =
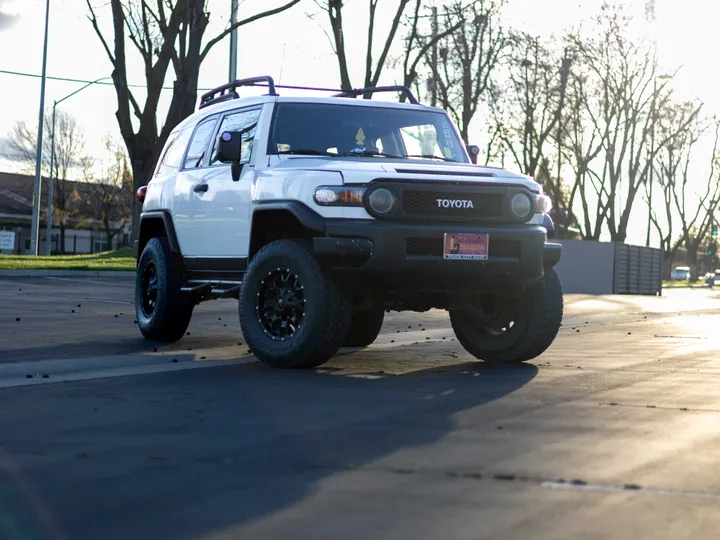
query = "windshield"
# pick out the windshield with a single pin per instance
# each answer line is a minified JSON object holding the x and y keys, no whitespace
{"x":341,"y":130}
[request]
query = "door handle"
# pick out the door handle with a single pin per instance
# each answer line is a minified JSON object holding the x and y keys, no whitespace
{"x":200,"y":188}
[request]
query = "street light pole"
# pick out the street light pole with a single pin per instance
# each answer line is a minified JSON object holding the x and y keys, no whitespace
{"x":48,"y":232}
{"x":52,"y":157}
{"x":652,"y":161}
{"x":652,"y":151}
{"x":233,"y":41}
{"x":35,"y":232}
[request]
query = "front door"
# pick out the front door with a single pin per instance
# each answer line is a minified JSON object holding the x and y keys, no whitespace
{"x":216,"y":221}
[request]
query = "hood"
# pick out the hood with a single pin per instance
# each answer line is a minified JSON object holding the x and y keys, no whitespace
{"x":364,"y":170}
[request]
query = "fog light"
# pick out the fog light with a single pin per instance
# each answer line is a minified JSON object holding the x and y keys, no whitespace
{"x":521,"y":206}
{"x":382,"y":200}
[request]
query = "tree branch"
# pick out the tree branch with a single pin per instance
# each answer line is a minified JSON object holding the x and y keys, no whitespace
{"x":249,"y":20}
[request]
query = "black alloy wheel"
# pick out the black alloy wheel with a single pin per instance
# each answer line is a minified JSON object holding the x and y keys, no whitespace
{"x":281,"y":304}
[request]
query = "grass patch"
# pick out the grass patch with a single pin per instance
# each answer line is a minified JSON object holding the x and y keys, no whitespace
{"x":685,"y":284}
{"x":120,"y":259}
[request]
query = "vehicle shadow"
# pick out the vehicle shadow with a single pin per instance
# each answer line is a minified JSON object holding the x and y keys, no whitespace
{"x":207,"y":451}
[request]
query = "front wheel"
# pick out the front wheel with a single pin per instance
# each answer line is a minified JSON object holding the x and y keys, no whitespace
{"x":291,"y":314}
{"x":512,"y":330}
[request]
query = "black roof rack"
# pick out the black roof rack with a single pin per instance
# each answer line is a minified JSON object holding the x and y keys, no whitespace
{"x":227,"y":91}
{"x":373,"y":89}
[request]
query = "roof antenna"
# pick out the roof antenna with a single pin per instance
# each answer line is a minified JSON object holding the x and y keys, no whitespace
{"x":282,"y":63}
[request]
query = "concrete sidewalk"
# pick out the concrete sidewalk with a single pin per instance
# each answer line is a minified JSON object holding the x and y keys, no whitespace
{"x":66,"y":273}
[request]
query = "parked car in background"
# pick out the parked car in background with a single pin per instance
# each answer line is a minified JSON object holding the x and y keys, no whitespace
{"x":680,"y":273}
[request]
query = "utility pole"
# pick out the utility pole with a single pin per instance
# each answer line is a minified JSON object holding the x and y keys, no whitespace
{"x":35,"y":233}
{"x":433,"y":88}
{"x":652,"y":161}
{"x":48,"y":234}
{"x":564,"y":75}
{"x":233,"y":41}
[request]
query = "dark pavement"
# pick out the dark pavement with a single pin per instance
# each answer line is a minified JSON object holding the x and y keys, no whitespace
{"x":611,"y":434}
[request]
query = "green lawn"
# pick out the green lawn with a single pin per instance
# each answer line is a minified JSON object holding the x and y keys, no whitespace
{"x":120,"y":259}
{"x":700,"y":284}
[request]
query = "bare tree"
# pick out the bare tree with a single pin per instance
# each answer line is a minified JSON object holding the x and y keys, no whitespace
{"x":624,"y":71}
{"x":69,"y":153}
{"x":529,"y":107}
{"x":468,"y":57}
{"x":694,"y":208}
{"x":673,"y":164}
{"x":373,"y":68}
{"x":164,"y":33}
{"x":420,"y":41}
{"x":110,"y":193}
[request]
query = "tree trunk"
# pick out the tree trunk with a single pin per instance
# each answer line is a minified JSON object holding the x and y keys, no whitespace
{"x":692,"y":258}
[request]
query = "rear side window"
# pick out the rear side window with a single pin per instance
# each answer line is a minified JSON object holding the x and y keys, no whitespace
{"x":199,"y":144}
{"x":172,"y":158}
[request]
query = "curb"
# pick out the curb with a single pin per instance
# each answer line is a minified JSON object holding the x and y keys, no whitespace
{"x":67,"y":273}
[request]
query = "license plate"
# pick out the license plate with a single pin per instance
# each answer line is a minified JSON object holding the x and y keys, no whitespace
{"x":466,"y":246}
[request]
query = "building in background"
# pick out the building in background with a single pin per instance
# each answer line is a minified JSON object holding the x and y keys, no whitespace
{"x":93,"y":212}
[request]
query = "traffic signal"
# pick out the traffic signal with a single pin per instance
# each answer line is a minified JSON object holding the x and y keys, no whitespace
{"x":714,"y":232}
{"x":712,"y":247}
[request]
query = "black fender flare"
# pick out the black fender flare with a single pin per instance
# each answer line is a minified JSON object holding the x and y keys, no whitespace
{"x":166,"y":218}
{"x":307,"y":217}
{"x":549,"y":225}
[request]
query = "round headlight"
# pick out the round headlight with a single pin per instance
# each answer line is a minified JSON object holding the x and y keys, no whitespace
{"x":381,"y":200}
{"x":325,"y":196}
{"x":522,"y":206}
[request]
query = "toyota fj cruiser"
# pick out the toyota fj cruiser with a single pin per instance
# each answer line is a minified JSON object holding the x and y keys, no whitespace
{"x":322,"y":213}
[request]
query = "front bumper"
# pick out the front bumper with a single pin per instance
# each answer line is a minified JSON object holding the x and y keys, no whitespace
{"x":396,"y":256}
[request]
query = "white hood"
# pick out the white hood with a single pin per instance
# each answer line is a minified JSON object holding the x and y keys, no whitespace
{"x":364,"y":170}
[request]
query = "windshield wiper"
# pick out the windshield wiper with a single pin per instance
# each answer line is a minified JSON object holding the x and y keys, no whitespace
{"x":308,"y":152}
{"x":431,"y":156}
{"x":369,"y":153}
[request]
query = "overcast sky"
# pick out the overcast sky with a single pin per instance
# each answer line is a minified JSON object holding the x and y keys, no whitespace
{"x":291,"y":47}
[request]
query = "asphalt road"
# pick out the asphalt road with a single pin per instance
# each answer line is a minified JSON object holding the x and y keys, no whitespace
{"x":613,"y":433}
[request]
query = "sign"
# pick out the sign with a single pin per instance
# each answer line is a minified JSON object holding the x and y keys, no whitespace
{"x":7,"y":240}
{"x":466,"y":246}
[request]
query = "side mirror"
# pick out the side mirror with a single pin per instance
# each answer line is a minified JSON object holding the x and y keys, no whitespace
{"x":229,"y":150}
{"x":474,"y":151}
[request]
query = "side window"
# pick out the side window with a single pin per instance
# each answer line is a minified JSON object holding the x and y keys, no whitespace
{"x":173,"y":155}
{"x":199,"y":144}
{"x":244,"y":122}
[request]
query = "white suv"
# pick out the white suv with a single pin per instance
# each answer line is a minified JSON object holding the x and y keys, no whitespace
{"x":321,"y":214}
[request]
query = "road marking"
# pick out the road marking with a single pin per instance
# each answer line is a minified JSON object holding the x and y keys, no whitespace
{"x":81,"y":280}
{"x":609,"y":488}
{"x":121,"y":371}
{"x":142,"y":363}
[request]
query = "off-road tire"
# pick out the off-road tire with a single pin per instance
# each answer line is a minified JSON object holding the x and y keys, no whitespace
{"x":365,"y":326}
{"x":172,"y":310}
{"x":542,"y":317}
{"x":327,"y":310}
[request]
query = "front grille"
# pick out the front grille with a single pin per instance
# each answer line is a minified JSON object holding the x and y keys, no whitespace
{"x":424,"y":247}
{"x":425,"y":203}
{"x":506,"y":249}
{"x":433,"y":247}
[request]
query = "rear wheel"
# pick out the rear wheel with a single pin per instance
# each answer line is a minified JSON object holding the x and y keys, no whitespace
{"x":365,"y":327}
{"x":505,"y":330}
{"x":291,"y":314}
{"x":163,"y":312}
